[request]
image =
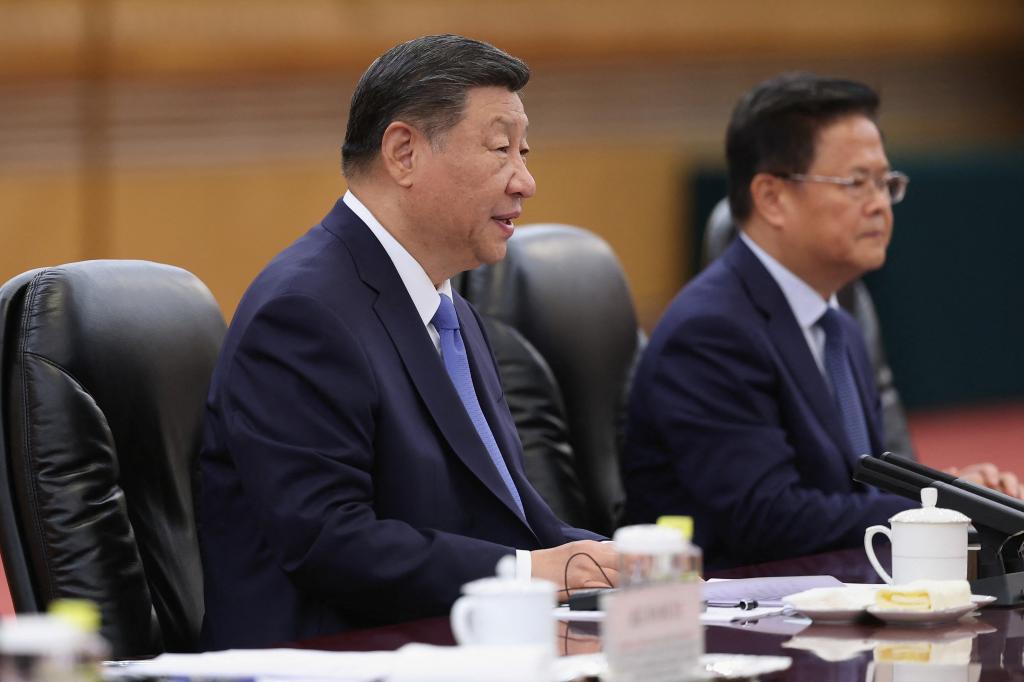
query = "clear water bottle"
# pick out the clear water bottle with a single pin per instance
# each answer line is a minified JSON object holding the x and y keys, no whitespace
{"x":692,"y":559}
{"x":652,"y":629}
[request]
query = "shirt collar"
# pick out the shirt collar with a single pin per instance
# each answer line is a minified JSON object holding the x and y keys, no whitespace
{"x":424,"y":296}
{"x":807,"y":304}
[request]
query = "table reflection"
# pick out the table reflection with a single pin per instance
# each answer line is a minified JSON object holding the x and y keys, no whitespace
{"x":981,"y":648}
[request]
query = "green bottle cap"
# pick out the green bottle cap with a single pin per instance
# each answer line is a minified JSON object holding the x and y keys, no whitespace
{"x":684,"y":524}
{"x":81,"y":613}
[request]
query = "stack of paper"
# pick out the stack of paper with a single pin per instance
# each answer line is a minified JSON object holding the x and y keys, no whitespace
{"x":764,"y":590}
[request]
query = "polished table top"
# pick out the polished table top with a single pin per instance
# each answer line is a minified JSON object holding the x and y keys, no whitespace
{"x":854,"y":652}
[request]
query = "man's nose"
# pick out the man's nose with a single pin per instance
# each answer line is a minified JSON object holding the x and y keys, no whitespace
{"x":522,"y":182}
{"x":880,"y":198}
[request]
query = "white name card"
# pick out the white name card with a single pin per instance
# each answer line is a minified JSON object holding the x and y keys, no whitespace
{"x":653,"y":633}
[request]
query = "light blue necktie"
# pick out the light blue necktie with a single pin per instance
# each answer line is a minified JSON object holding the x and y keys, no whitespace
{"x":453,"y":351}
{"x":837,"y":365}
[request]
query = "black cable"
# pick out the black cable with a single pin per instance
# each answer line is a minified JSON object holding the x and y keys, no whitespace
{"x":565,"y":577}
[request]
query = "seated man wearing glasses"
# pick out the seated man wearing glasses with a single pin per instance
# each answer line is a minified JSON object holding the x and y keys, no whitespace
{"x":755,"y":396}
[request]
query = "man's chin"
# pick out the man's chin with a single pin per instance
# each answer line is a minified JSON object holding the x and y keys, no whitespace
{"x":493,"y":254}
{"x":871,"y":259}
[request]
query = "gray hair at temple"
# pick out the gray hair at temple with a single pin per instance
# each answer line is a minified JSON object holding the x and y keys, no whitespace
{"x":423,"y":82}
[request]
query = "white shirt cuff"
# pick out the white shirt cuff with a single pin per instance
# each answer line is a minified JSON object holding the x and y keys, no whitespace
{"x":524,"y":565}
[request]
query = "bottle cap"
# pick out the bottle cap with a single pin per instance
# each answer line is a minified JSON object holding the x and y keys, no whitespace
{"x":684,"y":524}
{"x":81,"y":613}
{"x":649,"y":539}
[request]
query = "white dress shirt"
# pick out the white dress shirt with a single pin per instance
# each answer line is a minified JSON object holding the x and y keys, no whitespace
{"x":426,"y":299}
{"x":807,"y":304}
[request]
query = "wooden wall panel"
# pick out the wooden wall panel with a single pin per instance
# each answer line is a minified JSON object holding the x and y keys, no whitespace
{"x":197,"y":37}
{"x":222,"y":223}
{"x":40,"y":221}
{"x":205,"y":132}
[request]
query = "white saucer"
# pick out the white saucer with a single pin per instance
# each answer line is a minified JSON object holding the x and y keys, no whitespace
{"x":896,"y":616}
{"x":831,"y":615}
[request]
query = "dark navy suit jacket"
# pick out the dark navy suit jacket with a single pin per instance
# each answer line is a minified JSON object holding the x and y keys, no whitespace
{"x":342,"y":483}
{"x":732,"y":422}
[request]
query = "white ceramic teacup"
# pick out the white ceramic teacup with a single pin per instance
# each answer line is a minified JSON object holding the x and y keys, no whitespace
{"x":504,"y":611}
{"x":927,"y":543}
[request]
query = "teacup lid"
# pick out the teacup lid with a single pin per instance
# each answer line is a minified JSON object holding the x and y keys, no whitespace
{"x":505,"y":583}
{"x":928,"y":512}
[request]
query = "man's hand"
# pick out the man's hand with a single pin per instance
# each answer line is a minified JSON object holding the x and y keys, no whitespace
{"x":577,"y":565}
{"x":989,"y":475}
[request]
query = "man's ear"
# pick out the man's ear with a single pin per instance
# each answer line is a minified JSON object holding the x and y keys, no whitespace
{"x":398,"y":151}
{"x":767,"y":197}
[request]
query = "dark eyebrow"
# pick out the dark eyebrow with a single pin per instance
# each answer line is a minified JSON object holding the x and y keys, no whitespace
{"x":863,"y":170}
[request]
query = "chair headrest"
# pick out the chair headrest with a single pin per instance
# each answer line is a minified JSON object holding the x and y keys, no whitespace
{"x":719,"y":232}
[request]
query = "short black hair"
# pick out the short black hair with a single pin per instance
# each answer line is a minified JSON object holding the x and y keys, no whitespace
{"x":774,"y":128}
{"x":424,"y":82}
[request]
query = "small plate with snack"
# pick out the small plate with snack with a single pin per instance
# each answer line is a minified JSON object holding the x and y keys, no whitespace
{"x":926,"y":602}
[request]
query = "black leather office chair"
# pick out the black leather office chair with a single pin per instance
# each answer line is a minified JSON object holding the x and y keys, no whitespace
{"x":104,"y":367}
{"x":538,"y":409}
{"x":855,"y":299}
{"x":563,"y":290}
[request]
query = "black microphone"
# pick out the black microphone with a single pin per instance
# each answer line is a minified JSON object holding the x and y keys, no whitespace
{"x":935,"y":474}
{"x":980,"y":509}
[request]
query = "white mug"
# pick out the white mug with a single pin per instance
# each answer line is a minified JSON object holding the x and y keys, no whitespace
{"x":502,"y":611}
{"x":927,"y":543}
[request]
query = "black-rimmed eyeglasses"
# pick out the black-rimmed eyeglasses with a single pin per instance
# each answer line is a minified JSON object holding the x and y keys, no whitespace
{"x":860,"y":186}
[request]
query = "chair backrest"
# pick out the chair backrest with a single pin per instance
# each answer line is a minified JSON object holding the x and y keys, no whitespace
{"x":856,"y":300}
{"x":104,"y":367}
{"x":538,"y":409}
{"x":563,"y":290}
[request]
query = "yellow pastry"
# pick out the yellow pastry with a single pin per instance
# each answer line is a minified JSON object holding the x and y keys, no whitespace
{"x":903,"y":652}
{"x":924,"y":595}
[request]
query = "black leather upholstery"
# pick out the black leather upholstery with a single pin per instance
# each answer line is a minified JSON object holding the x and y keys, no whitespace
{"x":563,"y":289}
{"x":105,"y":366}
{"x":538,"y":409}
{"x":855,"y":299}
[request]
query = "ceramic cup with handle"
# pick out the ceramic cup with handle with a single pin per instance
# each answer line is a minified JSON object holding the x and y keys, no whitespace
{"x":927,"y":543}
{"x":506,"y":611}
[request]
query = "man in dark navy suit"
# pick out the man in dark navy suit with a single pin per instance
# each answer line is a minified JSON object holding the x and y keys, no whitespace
{"x":755,"y":396}
{"x":359,"y":462}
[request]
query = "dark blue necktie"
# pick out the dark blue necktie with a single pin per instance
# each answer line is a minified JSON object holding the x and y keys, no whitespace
{"x":453,"y":351}
{"x":837,"y":365}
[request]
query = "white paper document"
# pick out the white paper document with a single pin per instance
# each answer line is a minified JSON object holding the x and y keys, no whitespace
{"x":411,"y":663}
{"x":767,"y":592}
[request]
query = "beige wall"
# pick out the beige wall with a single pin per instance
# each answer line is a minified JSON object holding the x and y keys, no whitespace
{"x":205,"y":133}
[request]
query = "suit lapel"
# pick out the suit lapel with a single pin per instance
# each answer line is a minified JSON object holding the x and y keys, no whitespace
{"x":397,"y":313}
{"x":787,"y":338}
